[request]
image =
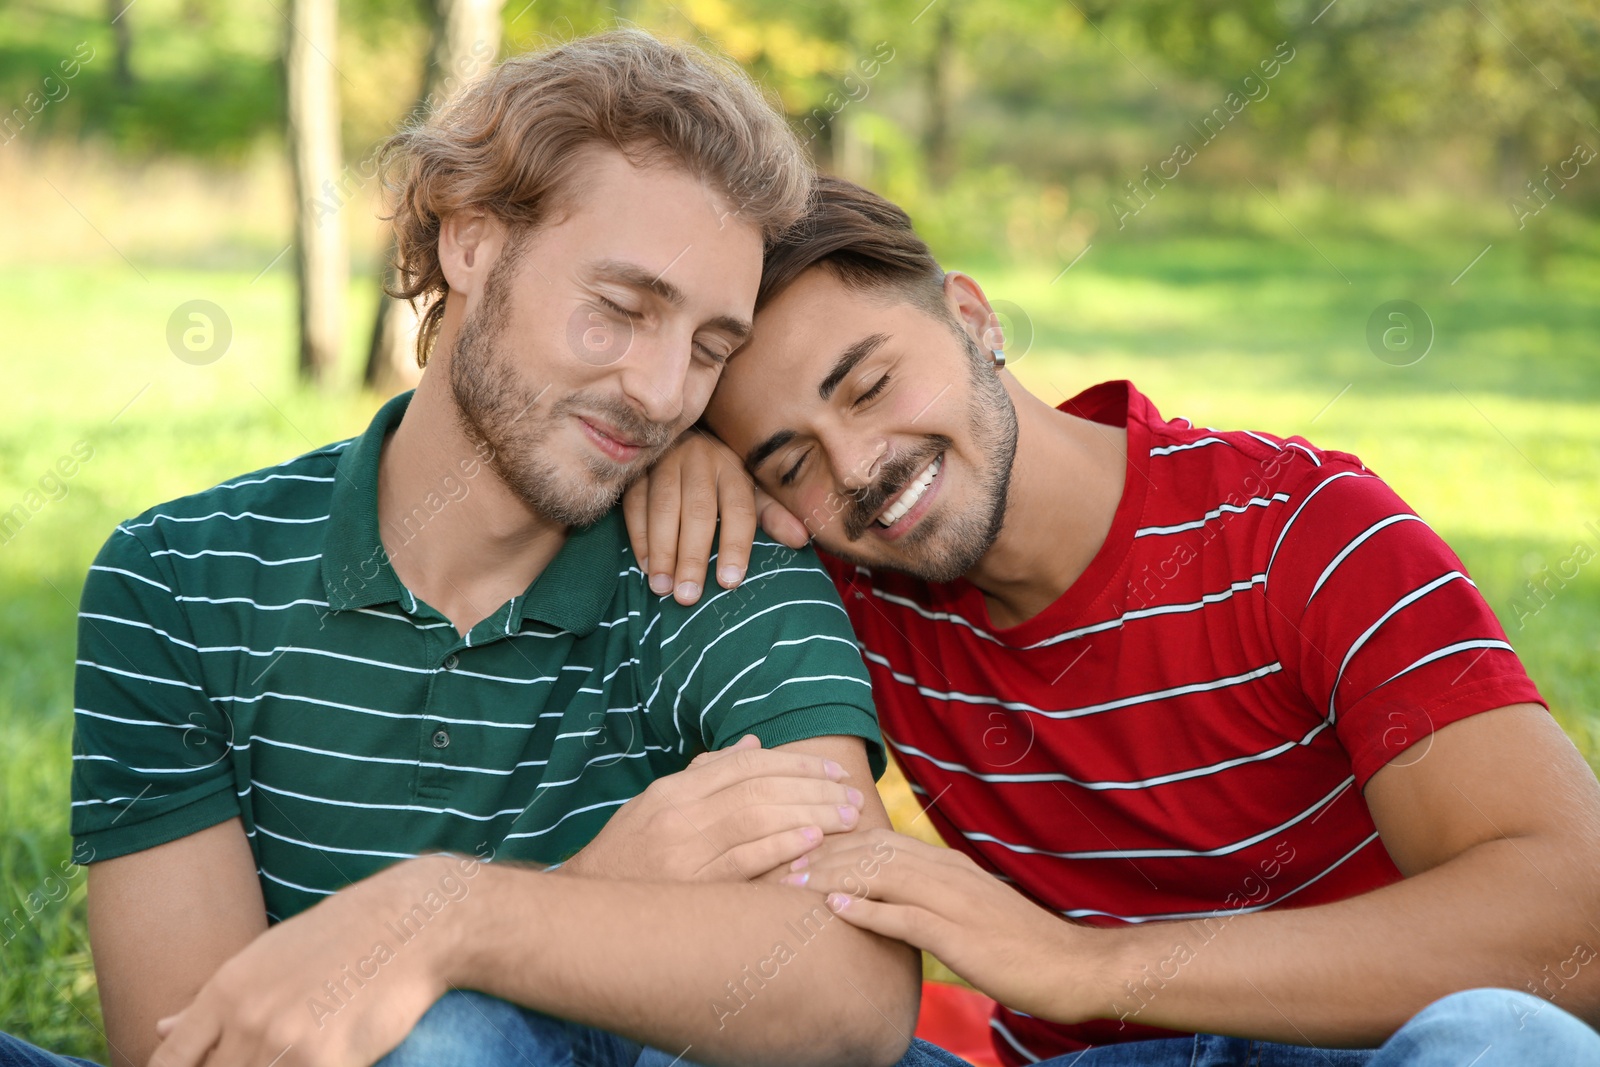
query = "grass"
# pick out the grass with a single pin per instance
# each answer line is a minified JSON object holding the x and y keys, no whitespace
{"x":1492,"y":437}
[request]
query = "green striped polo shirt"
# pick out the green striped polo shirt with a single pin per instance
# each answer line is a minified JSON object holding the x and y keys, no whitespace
{"x":249,"y":651}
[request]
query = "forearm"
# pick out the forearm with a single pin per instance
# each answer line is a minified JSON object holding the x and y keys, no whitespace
{"x":1507,"y":913}
{"x":736,"y":972}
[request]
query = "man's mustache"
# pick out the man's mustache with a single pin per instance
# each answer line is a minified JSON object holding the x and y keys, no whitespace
{"x":646,"y":433}
{"x":895,"y":475}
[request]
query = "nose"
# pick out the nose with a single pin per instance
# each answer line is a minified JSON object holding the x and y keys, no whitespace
{"x":654,"y":371}
{"x":857,"y":462}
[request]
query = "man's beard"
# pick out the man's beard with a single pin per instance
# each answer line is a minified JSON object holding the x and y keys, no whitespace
{"x":942,"y":550}
{"x":499,"y":414}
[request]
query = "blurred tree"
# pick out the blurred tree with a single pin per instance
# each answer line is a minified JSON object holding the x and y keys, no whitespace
{"x":321,"y":256}
{"x":1375,"y":85}
{"x":466,"y":42}
{"x":938,"y":140}
{"x":122,"y":42}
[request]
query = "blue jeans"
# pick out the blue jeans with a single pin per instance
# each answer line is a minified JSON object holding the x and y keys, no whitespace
{"x":1479,"y":1028}
{"x":467,"y":1029}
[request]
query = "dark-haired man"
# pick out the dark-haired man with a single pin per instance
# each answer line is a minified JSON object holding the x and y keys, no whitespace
{"x":1223,"y":737}
{"x":296,"y":688}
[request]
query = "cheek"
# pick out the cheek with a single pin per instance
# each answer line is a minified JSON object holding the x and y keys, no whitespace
{"x":697,"y":390}
{"x":815,"y":503}
{"x":927,"y":405}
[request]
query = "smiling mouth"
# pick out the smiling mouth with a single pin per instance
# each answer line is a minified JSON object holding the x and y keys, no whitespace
{"x":912,"y":493}
{"x":606,"y":431}
{"x":620,"y":449}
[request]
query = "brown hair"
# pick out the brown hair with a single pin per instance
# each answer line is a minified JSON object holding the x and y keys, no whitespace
{"x":510,"y":144}
{"x":866,"y":241}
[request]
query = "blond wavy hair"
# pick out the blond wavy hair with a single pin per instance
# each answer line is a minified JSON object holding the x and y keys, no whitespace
{"x":509,"y":145}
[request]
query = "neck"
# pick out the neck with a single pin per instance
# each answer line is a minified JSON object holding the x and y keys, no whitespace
{"x":1066,"y":482}
{"x":457,"y":537}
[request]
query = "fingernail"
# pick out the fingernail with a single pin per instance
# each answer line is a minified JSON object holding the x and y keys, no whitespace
{"x":661,"y":584}
{"x":848,"y":815}
{"x":854,"y":796}
{"x":812,"y":834}
{"x":688,"y":590}
{"x":833,"y":770}
{"x":729,"y":575}
{"x":838,"y":901}
{"x":796,"y":879}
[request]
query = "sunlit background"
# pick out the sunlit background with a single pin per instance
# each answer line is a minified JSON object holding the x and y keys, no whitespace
{"x":1370,"y":223}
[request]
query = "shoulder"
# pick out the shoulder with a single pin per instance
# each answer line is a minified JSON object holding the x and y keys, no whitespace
{"x":296,"y":492}
{"x":269,"y":514}
{"x":787,"y":588}
{"x":786,"y":599}
{"x":1331,"y":505}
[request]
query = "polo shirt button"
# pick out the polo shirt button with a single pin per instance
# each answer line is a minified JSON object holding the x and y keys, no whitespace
{"x":441,"y":739}
{"x":451,"y":661}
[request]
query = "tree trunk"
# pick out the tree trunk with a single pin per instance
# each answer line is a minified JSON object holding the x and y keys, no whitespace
{"x":122,"y":42}
{"x":321,"y":258}
{"x":937,"y":141}
{"x":466,"y":42}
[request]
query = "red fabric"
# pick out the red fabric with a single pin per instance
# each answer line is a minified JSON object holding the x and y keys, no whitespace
{"x":957,"y":1020}
{"x":1185,"y":732}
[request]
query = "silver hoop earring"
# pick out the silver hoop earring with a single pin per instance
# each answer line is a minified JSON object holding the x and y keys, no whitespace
{"x":999,"y":358}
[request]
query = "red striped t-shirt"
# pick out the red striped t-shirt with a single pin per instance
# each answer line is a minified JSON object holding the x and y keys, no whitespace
{"x":1186,"y":731}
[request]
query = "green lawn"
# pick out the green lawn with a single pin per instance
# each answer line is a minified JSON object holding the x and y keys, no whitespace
{"x":1492,"y":437}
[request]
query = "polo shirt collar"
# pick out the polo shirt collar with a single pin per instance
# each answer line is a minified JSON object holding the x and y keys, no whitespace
{"x":572,"y":594}
{"x":580,"y":583}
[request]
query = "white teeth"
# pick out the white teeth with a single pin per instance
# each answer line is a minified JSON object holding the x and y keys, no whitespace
{"x":913,"y":493}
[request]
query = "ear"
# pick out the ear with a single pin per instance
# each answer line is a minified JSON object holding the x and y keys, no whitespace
{"x":971,"y":309}
{"x":469,"y":243}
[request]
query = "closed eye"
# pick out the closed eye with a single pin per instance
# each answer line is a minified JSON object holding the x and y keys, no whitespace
{"x":618,"y":308}
{"x":716,"y":357}
{"x":877,"y":388}
{"x":788,"y":476}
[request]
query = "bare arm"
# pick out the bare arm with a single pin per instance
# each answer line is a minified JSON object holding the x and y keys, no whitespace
{"x":1497,"y":829}
{"x":1496,"y":826}
{"x":744,"y":973}
{"x":739,"y":972}
{"x":161,"y":922}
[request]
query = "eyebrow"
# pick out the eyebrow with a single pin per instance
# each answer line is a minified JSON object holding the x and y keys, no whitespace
{"x":636,"y":277}
{"x":847,"y":362}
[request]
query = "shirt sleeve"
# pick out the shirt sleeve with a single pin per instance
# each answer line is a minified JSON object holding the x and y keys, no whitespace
{"x":774,"y":657}
{"x":1386,"y":631}
{"x":150,"y":748}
